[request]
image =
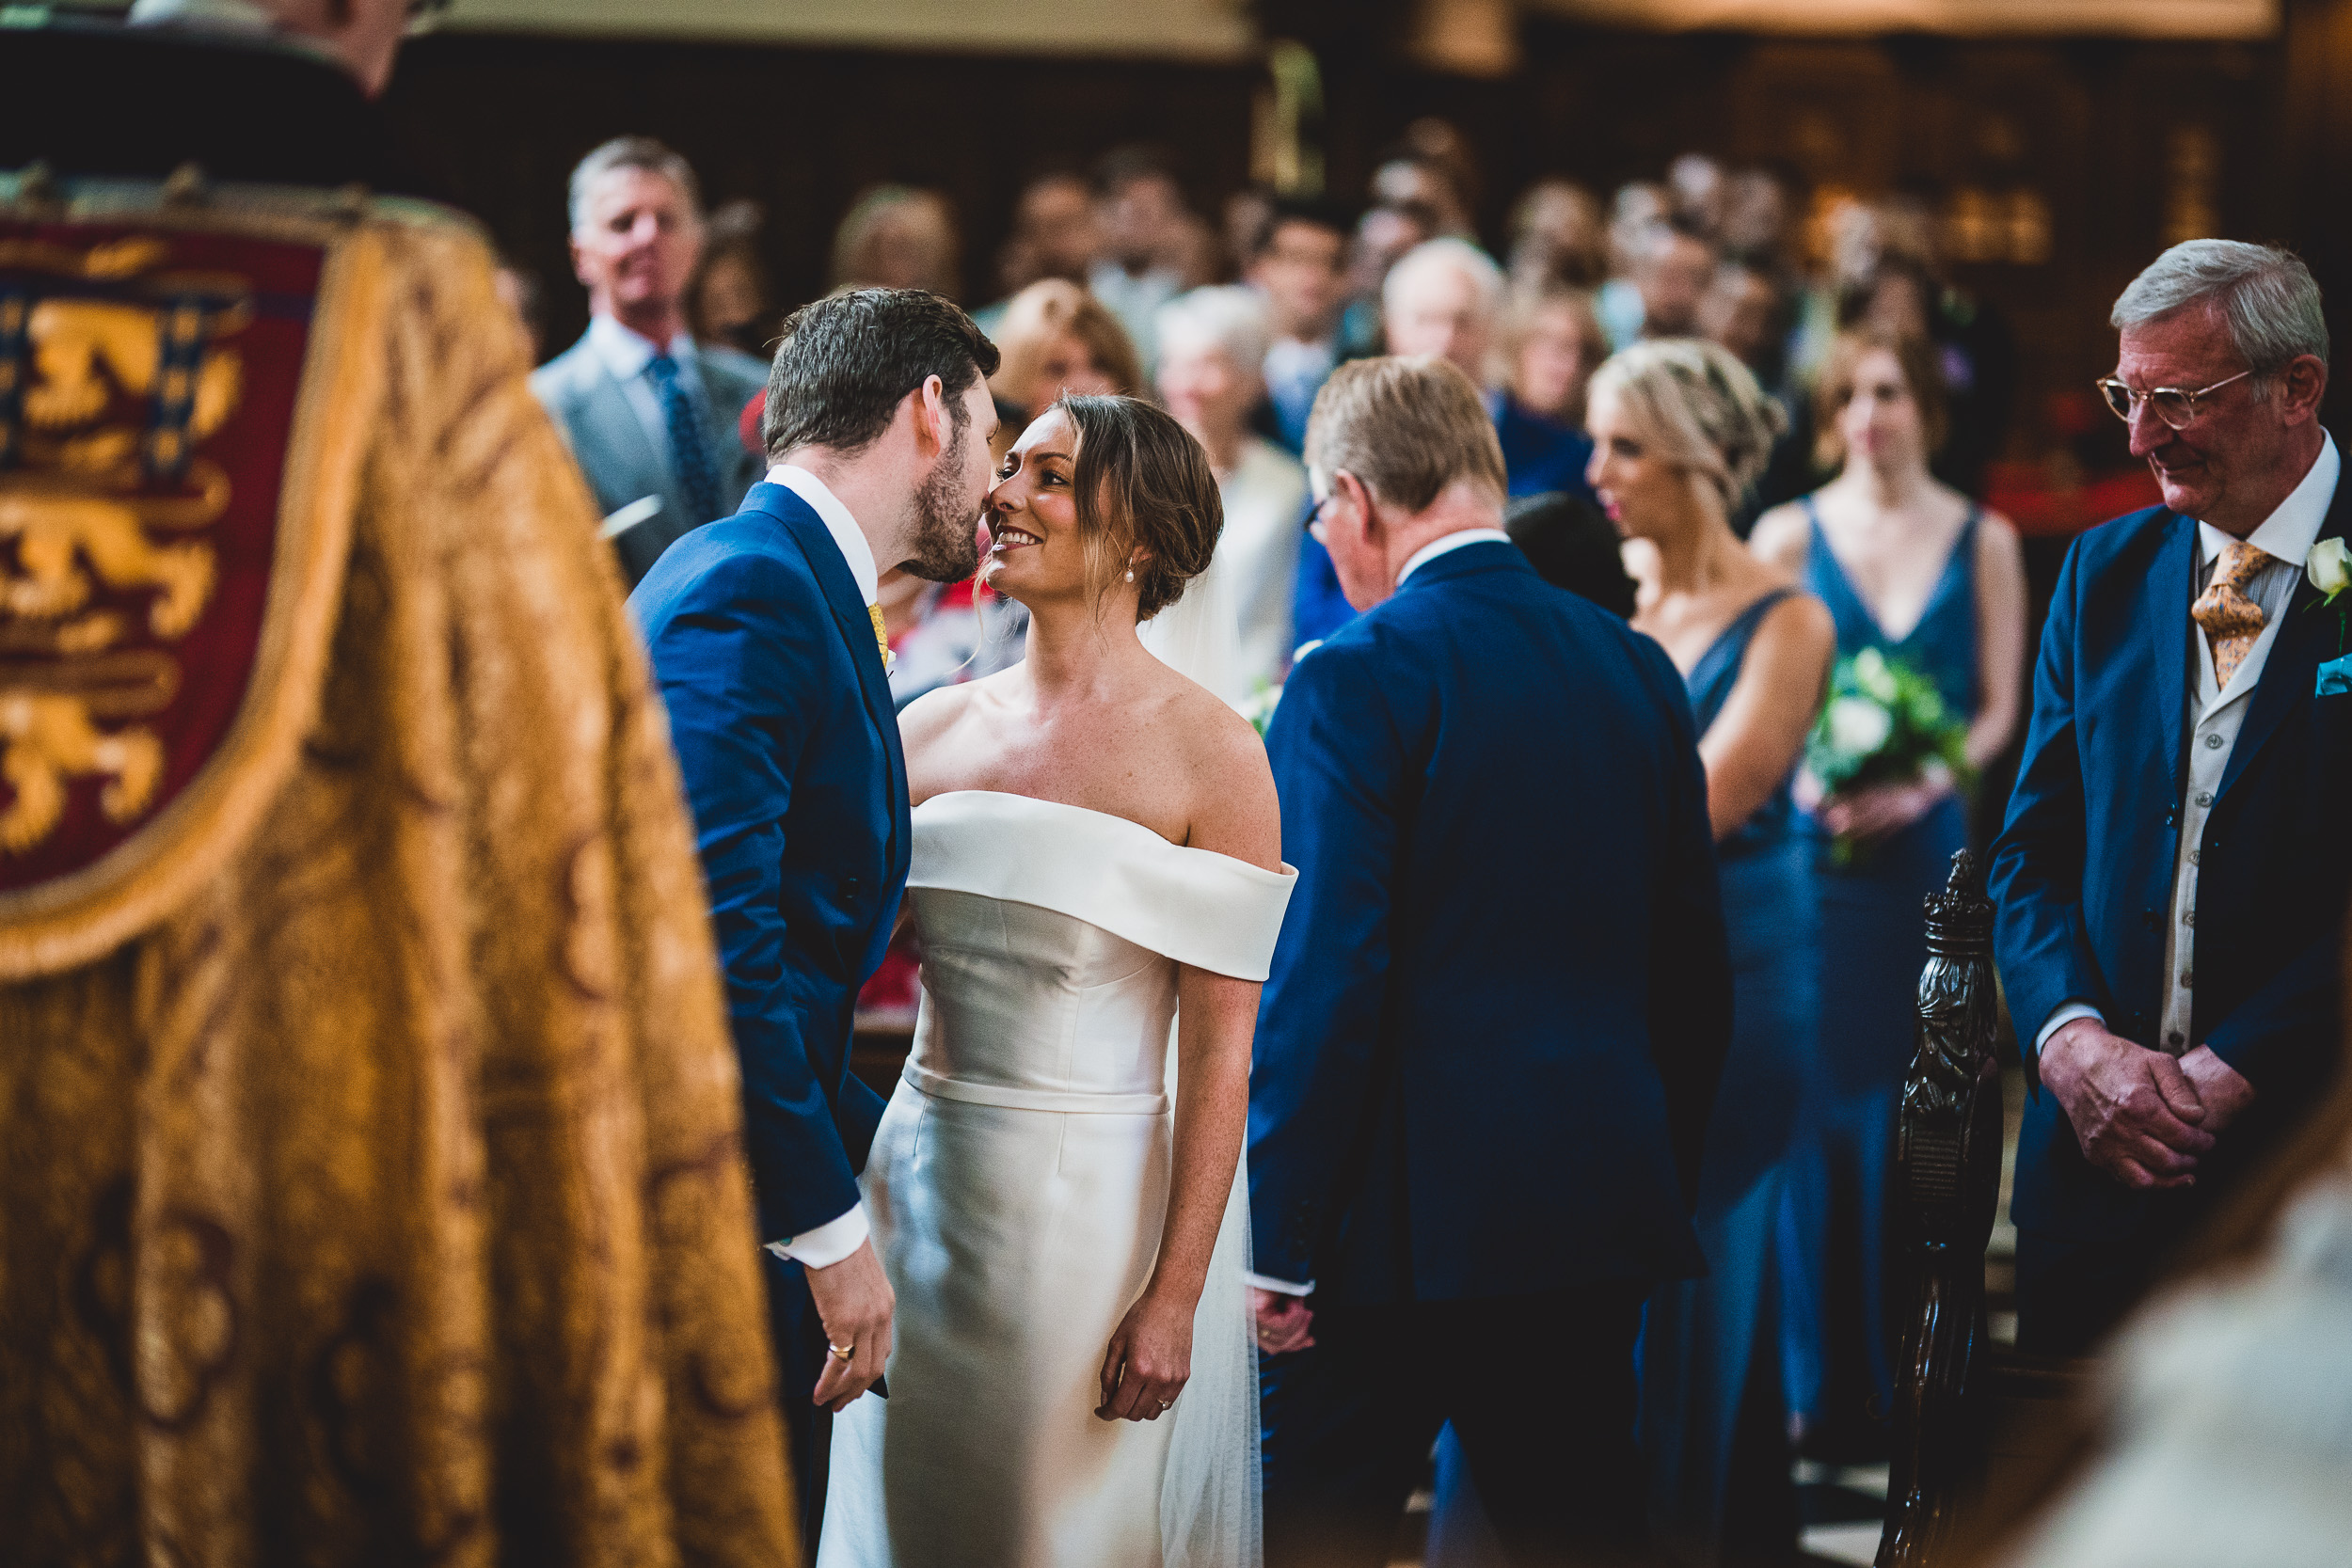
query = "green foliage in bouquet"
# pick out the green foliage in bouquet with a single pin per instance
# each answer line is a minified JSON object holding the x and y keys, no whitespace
{"x":1885,"y":723}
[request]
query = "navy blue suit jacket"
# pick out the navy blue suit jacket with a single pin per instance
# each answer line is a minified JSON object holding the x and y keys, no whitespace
{"x":780,"y":715}
{"x":1502,"y":994}
{"x":2083,"y":871}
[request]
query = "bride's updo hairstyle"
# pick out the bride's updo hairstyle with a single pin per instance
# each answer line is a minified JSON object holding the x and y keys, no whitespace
{"x":1141,"y":482}
{"x":1700,"y":409}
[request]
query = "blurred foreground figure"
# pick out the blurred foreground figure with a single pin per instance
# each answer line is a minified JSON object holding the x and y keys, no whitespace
{"x":370,"y":1185}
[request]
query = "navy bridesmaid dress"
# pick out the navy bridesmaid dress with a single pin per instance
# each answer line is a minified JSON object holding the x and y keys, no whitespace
{"x":1713,"y":1414}
{"x":1873,"y":945}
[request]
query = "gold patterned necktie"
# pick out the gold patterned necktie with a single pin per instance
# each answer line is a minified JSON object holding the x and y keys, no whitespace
{"x":882,"y":637}
{"x":2233,"y":622}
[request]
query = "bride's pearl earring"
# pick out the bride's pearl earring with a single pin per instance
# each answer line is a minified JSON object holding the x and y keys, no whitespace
{"x":1131,"y":574}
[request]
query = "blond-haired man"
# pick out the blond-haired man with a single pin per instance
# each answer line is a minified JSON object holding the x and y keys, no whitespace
{"x":1496,"y":1013}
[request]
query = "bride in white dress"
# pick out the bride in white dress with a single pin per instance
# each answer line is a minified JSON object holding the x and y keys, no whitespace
{"x":1097,"y":852}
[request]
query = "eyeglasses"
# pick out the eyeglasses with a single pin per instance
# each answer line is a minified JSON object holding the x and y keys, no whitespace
{"x":2173,"y":406}
{"x":1314,"y":518}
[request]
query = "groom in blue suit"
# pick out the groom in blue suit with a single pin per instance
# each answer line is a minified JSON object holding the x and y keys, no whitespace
{"x":766,"y":643}
{"x":1497,"y":1008}
{"x":2174,"y":872}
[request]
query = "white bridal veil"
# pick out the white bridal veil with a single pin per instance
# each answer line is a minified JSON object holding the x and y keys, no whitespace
{"x":1209,"y":1500}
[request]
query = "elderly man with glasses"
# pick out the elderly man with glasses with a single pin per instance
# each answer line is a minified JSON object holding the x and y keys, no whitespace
{"x":2173,"y":875}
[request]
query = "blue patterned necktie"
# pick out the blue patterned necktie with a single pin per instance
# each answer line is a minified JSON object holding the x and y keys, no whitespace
{"x":690,"y":458}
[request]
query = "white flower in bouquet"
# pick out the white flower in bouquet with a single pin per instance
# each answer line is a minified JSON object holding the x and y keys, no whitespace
{"x":1858,"y":726}
{"x":1871,"y":673}
{"x":2330,"y":566}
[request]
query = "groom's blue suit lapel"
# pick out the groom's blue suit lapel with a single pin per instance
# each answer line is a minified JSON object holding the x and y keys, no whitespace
{"x":2304,"y":642}
{"x":806,"y":529}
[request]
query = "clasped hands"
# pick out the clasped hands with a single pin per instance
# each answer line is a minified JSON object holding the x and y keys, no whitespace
{"x":2140,"y":1116}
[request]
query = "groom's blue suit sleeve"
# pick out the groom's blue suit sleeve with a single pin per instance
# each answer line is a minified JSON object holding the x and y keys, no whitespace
{"x":732,"y":659}
{"x":1341,"y":781}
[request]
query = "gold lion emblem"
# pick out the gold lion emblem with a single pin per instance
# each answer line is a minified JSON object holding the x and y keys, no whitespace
{"x":102,"y":495}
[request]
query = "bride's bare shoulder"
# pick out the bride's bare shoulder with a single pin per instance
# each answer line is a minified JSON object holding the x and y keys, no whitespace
{"x":1233,"y":807}
{"x":937,"y":712}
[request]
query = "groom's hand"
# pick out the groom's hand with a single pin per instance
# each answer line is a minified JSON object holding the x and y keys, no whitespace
{"x":854,"y":1302}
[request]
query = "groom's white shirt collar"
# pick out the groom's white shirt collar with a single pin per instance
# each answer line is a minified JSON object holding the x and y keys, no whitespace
{"x":1441,"y":546}
{"x":846,"y":536}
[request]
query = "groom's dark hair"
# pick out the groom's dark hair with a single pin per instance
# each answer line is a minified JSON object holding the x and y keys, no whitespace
{"x":847,"y":359}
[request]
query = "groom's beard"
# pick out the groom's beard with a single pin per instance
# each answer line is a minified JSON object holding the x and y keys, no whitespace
{"x":947,"y":538}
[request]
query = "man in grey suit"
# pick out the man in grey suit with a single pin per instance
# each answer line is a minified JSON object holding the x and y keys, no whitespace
{"x":650,"y":414}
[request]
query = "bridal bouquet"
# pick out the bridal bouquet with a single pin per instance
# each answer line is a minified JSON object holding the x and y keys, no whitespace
{"x":1885,"y":723}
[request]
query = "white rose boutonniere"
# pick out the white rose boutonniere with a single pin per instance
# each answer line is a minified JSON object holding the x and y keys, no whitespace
{"x":2329,"y":568}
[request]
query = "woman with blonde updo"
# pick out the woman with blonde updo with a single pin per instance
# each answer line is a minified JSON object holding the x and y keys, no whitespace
{"x":1681,"y":431}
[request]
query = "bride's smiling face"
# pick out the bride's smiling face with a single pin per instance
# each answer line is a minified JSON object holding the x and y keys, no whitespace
{"x":1035,"y":551}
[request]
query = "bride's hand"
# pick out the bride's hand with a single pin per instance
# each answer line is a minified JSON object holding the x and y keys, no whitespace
{"x":1149,"y":1360}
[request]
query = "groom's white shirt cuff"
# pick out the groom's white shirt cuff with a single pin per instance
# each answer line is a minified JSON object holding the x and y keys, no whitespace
{"x":846,"y":536}
{"x":826,"y":1245}
{"x":1282,"y":1287}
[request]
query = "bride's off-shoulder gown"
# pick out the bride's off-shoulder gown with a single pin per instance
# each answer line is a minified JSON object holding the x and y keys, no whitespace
{"x":1017,"y":1190}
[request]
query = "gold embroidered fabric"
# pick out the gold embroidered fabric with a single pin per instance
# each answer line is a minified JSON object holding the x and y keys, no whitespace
{"x":370,"y":1181}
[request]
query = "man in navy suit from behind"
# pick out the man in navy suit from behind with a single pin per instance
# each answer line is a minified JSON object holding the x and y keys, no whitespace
{"x":2173,"y":875}
{"x":767,"y":644}
{"x":1496,"y":1011}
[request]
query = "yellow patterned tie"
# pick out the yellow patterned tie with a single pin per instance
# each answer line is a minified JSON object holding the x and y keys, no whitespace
{"x":882,"y":636}
{"x":2233,"y":622}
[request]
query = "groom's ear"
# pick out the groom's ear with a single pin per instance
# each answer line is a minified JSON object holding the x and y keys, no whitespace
{"x":935,"y":424}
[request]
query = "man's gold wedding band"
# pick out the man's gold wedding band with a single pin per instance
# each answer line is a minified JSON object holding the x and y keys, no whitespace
{"x":845,"y":1353}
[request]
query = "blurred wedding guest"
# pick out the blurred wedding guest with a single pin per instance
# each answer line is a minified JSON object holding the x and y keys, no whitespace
{"x":649,"y":414}
{"x":1410,"y":1043}
{"x":1741,"y":310}
{"x":1409,"y":179}
{"x":1212,"y":341}
{"x":1913,"y":569}
{"x":1056,"y":337}
{"x":1572,"y":544}
{"x":1140,"y":210}
{"x":1673,"y":269}
{"x":1558,"y":237}
{"x":1054,"y":236}
{"x":1759,"y":206}
{"x":1243,"y":225}
{"x":1551,"y":345}
{"x":518,"y":291}
{"x":1637,"y":210}
{"x":897,"y":237}
{"x":727,"y":301}
{"x":1445,"y":299}
{"x":2173,"y":875}
{"x":1442,"y":299}
{"x":1383,"y":234}
{"x":1299,"y":262}
{"x":368,"y":1192}
{"x":1903,"y":291}
{"x":1700,"y":193}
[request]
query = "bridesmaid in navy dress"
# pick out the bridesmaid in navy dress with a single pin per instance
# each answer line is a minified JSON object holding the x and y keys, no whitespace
{"x":1681,"y":431}
{"x":1916,"y":571}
